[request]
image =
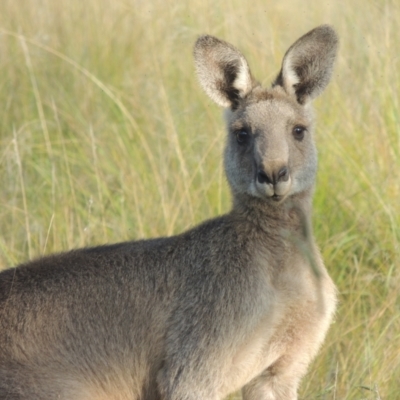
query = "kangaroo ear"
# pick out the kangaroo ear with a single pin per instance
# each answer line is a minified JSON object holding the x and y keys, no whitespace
{"x":222,"y":70}
{"x":307,"y":65}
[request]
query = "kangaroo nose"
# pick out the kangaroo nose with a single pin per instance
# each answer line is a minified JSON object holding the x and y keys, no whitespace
{"x":273,"y":177}
{"x":283,"y":174}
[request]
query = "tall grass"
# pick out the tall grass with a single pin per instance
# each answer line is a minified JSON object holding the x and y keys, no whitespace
{"x":106,"y":136}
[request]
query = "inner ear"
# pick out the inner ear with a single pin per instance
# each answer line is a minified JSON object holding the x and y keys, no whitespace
{"x":228,"y":86}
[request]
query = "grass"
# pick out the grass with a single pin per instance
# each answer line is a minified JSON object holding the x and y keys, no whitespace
{"x":105,"y":136}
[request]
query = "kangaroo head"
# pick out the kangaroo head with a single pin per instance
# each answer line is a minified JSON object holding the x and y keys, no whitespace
{"x":270,"y":151}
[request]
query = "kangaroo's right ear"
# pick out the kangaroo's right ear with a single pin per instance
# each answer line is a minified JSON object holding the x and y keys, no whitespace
{"x":223,"y":71}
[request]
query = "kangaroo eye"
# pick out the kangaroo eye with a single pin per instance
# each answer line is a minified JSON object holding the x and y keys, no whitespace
{"x":298,"y":132}
{"x":242,"y":136}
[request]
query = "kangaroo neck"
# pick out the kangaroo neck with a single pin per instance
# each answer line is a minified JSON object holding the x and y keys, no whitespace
{"x":293,"y":214}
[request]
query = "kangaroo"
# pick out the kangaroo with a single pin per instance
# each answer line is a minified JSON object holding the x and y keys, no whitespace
{"x":242,"y":301}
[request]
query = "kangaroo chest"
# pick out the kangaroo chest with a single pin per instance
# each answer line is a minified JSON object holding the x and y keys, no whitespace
{"x":295,"y":323}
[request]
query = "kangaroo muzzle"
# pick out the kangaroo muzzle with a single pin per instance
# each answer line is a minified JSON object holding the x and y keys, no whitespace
{"x":273,"y":182}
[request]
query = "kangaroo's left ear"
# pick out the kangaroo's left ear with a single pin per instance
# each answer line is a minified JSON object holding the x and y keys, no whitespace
{"x":308,"y":64}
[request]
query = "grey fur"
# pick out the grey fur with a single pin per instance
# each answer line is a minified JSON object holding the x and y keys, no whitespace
{"x":229,"y":304}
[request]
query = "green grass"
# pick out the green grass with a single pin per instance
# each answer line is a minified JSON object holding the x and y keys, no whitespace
{"x":105,"y":136}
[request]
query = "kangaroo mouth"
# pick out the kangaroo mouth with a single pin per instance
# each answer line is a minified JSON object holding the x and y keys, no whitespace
{"x":276,"y":197}
{"x":276,"y":192}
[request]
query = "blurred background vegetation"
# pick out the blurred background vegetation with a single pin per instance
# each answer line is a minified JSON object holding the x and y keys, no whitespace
{"x":105,"y":136}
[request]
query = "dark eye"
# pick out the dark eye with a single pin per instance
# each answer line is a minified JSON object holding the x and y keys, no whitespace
{"x":242,"y":136}
{"x":298,"y":132}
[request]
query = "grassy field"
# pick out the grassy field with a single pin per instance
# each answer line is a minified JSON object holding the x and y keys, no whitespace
{"x":105,"y":135}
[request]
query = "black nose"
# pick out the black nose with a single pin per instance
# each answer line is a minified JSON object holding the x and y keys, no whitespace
{"x":274,"y":177}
